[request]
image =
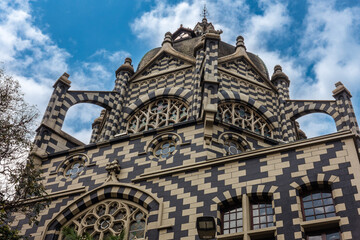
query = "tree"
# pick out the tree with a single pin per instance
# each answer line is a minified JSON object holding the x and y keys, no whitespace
{"x":20,"y":178}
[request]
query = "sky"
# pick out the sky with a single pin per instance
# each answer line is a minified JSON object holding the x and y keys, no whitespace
{"x":317,"y":43}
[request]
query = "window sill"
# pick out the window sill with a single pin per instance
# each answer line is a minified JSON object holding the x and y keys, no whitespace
{"x":254,"y":234}
{"x":262,"y":233}
{"x":238,"y":235}
{"x":320,"y":224}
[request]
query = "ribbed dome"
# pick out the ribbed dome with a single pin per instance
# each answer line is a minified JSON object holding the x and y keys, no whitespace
{"x":187,"y":47}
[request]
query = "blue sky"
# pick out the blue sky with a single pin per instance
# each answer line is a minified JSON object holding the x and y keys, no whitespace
{"x":316,"y":42}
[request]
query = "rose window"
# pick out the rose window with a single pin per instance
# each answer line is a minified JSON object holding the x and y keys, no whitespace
{"x":111,"y":218}
{"x":157,"y":114}
{"x":244,"y":117}
{"x":165,"y":149}
{"x":74,"y":169}
{"x":232,"y":147}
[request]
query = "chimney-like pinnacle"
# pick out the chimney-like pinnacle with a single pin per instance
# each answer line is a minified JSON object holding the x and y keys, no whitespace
{"x":279,"y":75}
{"x":126,"y":67}
{"x":167,"y":39}
{"x":240,"y":42}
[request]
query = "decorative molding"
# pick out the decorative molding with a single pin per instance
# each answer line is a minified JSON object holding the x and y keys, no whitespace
{"x":245,"y":155}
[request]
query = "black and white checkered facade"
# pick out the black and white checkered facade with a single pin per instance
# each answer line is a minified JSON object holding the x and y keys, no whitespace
{"x":199,"y":178}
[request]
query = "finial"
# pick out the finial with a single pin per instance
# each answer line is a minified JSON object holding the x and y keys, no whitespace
{"x":127,"y":67}
{"x":240,"y":42}
{"x":277,"y":68}
{"x":128,"y":61}
{"x":66,"y":75}
{"x":167,"y":38}
{"x":278,"y":74}
{"x":113,"y":169}
{"x":205,"y":13}
{"x":63,"y":79}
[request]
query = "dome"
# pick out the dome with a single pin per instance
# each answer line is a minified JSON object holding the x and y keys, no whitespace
{"x":186,"y":46}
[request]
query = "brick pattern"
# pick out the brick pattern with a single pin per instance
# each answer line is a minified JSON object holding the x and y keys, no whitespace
{"x":200,"y":192}
{"x":175,"y":199}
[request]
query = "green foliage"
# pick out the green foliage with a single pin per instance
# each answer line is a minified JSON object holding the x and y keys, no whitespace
{"x":6,"y":233}
{"x":71,"y":234}
{"x":20,"y":177}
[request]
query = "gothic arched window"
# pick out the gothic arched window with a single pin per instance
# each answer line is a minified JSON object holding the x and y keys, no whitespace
{"x":157,"y":114}
{"x":244,"y":117}
{"x":110,"y":218}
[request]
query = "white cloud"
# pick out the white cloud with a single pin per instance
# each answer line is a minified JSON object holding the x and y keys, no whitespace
{"x":30,"y":56}
{"x":330,"y":44}
{"x":165,"y":17}
{"x":79,"y":119}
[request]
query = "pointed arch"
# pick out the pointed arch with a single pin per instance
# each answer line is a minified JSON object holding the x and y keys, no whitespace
{"x":240,"y":97}
{"x":123,"y":191}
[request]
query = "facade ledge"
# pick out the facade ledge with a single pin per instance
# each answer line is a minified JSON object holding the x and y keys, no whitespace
{"x":239,"y":235}
{"x":245,"y":155}
{"x":320,"y":224}
{"x":254,"y":234}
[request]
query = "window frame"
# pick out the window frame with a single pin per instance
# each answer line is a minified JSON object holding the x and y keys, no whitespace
{"x":229,"y":209}
{"x":244,"y":201}
{"x":323,"y":233}
{"x":311,"y":192}
{"x":252,"y":202}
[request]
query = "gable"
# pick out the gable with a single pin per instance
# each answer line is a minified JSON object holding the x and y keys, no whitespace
{"x":241,"y":68}
{"x":164,"y":63}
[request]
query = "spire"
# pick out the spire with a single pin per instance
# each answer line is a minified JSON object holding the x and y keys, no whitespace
{"x":204,"y":14}
{"x":204,"y":26}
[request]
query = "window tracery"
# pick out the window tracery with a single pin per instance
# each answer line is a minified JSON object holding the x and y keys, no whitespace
{"x":157,"y":114}
{"x":75,"y":169}
{"x":232,"y":147}
{"x":111,"y":218}
{"x":165,"y":149}
{"x":244,"y":117}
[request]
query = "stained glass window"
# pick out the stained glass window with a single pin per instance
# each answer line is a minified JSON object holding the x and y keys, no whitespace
{"x":165,"y":149}
{"x":243,"y":117}
{"x":74,"y":169}
{"x":111,"y":218}
{"x":157,"y":114}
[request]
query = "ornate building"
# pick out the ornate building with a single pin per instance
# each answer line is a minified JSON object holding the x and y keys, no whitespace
{"x":199,"y":129}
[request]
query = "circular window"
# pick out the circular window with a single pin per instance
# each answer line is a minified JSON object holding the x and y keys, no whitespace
{"x":233,"y":147}
{"x":74,"y":169}
{"x":165,"y":149}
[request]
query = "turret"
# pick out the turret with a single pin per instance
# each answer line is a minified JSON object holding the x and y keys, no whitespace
{"x":123,"y":74}
{"x":343,"y":100}
{"x":281,"y":81}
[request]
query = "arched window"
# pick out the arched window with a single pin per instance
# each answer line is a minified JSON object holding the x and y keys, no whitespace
{"x":157,"y":114}
{"x":258,"y":212}
{"x":232,"y":220}
{"x":318,"y":205}
{"x":244,"y":117}
{"x":110,"y":218}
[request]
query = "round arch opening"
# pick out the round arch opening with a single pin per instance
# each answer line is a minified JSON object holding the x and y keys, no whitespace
{"x":79,"y":119}
{"x":316,"y":124}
